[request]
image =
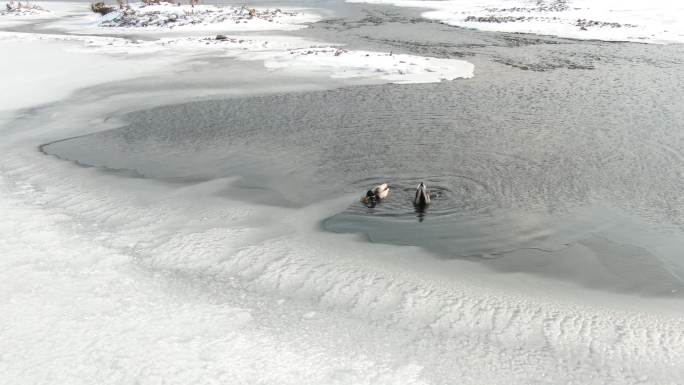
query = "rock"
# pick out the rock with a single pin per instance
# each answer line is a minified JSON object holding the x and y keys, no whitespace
{"x":101,"y":8}
{"x":221,"y":37}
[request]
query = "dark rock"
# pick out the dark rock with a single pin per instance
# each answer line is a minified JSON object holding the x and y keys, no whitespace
{"x":101,"y":8}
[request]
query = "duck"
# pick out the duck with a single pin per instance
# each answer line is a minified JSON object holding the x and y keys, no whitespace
{"x":376,"y":194}
{"x":422,"y":198}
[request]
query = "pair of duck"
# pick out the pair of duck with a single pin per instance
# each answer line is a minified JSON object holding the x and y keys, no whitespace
{"x":380,"y":192}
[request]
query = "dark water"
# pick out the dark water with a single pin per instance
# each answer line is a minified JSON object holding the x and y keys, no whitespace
{"x":560,"y":158}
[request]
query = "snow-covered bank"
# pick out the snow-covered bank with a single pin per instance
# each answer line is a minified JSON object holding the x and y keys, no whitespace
{"x":18,"y":13}
{"x":393,"y":68}
{"x":22,"y":9}
{"x":189,"y":27}
{"x":46,"y":68}
{"x":75,"y":312}
{"x":105,"y":285}
{"x":304,"y":57}
{"x":657,"y":21}
{"x":166,"y":15}
{"x":80,"y":61}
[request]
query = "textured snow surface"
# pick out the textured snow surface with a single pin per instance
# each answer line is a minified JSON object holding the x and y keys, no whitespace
{"x":78,"y":312}
{"x":656,"y":21}
{"x":165,"y":17}
{"x":102,"y":286}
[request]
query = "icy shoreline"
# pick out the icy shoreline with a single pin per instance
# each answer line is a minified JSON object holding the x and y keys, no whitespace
{"x":189,"y":30}
{"x":123,"y":275}
{"x":637,"y":21}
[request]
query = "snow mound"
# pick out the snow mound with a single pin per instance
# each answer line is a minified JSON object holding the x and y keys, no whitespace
{"x":394,"y":68}
{"x":167,"y":15}
{"x":22,"y":9}
{"x":301,"y":56}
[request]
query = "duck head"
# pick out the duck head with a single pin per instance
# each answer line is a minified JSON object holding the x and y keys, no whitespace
{"x":370,"y":199}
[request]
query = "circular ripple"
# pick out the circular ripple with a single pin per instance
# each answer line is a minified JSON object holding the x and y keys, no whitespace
{"x":451,"y":195}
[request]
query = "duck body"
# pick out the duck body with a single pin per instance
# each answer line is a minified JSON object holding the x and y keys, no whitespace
{"x":422,"y":198}
{"x":381,"y":191}
{"x":376,"y":194}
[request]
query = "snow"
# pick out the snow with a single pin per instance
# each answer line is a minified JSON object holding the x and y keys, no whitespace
{"x":394,"y":68}
{"x":53,"y":65}
{"x":42,"y":11}
{"x":83,"y":53}
{"x":110,"y":280}
{"x":22,"y":9}
{"x":220,"y":18}
{"x":77,"y":312}
{"x":657,"y":21}
{"x":81,"y":61}
{"x":165,"y":17}
{"x":98,"y":285}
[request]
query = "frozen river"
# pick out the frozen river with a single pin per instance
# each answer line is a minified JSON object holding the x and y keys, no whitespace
{"x":567,"y":162}
{"x":202,"y":223}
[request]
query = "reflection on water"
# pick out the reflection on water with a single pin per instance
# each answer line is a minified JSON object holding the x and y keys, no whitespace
{"x":420,"y":212}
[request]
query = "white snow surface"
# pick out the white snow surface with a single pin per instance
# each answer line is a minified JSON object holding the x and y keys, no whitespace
{"x":102,"y":285}
{"x":394,"y":68}
{"x":654,"y":21}
{"x":45,"y":11}
{"x":80,"y":52}
{"x":78,"y":61}
{"x":44,"y":68}
{"x":207,"y":17}
{"x":141,"y":18}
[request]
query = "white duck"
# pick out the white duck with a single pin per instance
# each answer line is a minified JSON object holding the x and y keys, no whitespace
{"x":376,"y":194}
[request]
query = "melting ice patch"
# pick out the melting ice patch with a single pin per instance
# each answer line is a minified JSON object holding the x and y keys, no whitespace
{"x":657,"y":21}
